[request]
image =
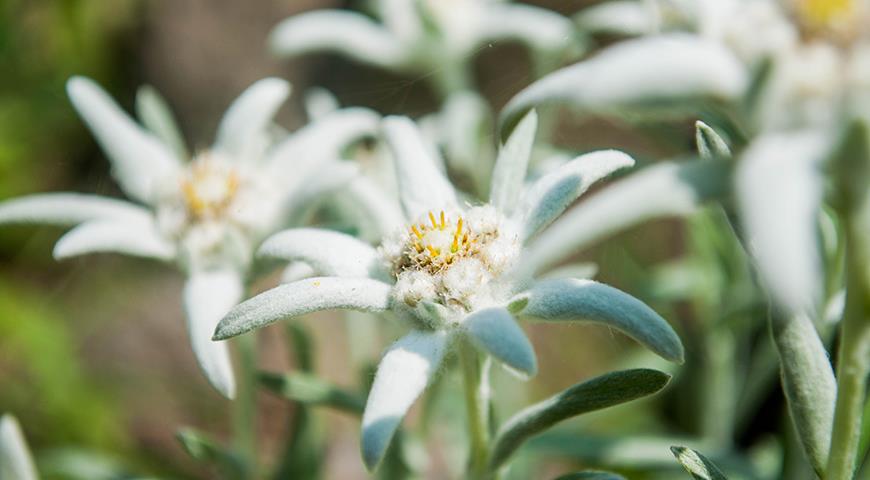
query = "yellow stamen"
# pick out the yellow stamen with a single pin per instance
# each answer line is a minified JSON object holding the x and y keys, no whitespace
{"x":416,"y":232}
{"x":432,"y":250}
{"x":456,"y":237}
{"x":432,"y":219}
{"x":442,"y":219}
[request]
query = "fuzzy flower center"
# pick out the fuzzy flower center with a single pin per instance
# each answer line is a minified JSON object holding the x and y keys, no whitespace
{"x":451,"y":258}
{"x":209,"y":188}
{"x":837,"y":18}
{"x":436,"y":244}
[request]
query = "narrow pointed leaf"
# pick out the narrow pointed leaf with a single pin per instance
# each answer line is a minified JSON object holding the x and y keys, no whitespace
{"x":139,"y":239}
{"x":243,"y":126}
{"x":157,"y":117}
{"x":16,"y":462}
{"x":586,"y":300}
{"x":779,"y":187}
{"x":512,"y":164}
{"x":350,"y":34}
{"x":330,"y":253}
{"x":697,"y":465}
{"x":67,"y":209}
{"x":710,"y":145}
{"x":139,"y":159}
{"x":422,"y":186}
{"x":551,"y":194}
{"x":642,"y":74}
{"x":809,"y":385}
{"x":595,"y":394}
{"x":208,"y":296}
{"x":590,"y":475}
{"x":311,"y":390}
{"x":495,"y":331}
{"x":404,"y":372}
{"x":662,"y":190}
{"x":204,"y":449}
{"x":305,"y":296}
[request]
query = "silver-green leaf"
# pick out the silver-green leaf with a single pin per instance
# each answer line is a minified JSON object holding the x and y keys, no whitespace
{"x":595,"y":394}
{"x":697,"y":465}
{"x":310,"y":390}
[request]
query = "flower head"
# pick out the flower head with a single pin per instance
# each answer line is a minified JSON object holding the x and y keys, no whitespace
{"x":206,"y":214}
{"x":452,"y":271}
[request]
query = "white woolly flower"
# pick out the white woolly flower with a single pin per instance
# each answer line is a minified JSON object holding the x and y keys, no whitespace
{"x":454,"y":271}
{"x":435,"y":38}
{"x":208,"y":213}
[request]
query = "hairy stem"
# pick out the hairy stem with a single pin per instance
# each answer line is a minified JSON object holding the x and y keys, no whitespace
{"x":477,"y":406}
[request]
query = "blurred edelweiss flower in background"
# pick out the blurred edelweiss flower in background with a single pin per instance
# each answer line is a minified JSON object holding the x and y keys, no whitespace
{"x":437,"y":37}
{"x":452,"y":272}
{"x":16,"y":462}
{"x":207,"y":214}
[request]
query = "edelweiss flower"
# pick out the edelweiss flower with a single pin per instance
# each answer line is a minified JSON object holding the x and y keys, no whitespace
{"x":436,"y":37}
{"x":450,"y":272}
{"x":207,"y":214}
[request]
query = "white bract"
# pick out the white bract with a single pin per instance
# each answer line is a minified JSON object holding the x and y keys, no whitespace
{"x":16,"y":462}
{"x":450,"y":271}
{"x":437,"y":37}
{"x":208,"y":213}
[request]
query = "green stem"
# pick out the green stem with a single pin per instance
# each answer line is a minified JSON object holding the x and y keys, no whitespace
{"x":245,"y":404}
{"x":853,"y":363}
{"x":477,"y":406}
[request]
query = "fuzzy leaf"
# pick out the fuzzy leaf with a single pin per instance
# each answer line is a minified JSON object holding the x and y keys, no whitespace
{"x":305,"y":296}
{"x":311,"y":390}
{"x":662,"y":190}
{"x":618,"y":17}
{"x":595,"y":394}
{"x":404,"y":372}
{"x":587,"y":300}
{"x":809,"y":385}
{"x":697,"y":465}
{"x":710,"y":145}
{"x":551,"y":194}
{"x":140,"y":239}
{"x":495,"y":331}
{"x":540,"y":28}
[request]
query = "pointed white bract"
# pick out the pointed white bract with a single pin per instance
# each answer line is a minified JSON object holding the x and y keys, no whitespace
{"x":404,"y":372}
{"x":450,"y":272}
{"x":421,"y":184}
{"x":208,"y":296}
{"x":779,"y":187}
{"x":638,"y":74}
{"x":138,"y":239}
{"x":16,"y":462}
{"x":329,"y":253}
{"x":139,"y":160}
{"x":242,"y":129}
{"x":67,"y":209}
{"x":305,"y":296}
